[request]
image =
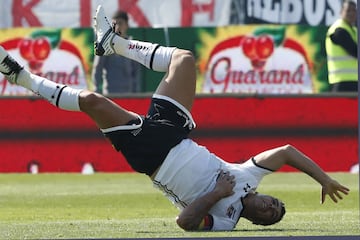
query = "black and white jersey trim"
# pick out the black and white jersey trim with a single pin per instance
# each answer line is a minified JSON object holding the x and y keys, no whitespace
{"x":255,"y":163}
{"x":170,"y":193}
{"x":124,"y":127}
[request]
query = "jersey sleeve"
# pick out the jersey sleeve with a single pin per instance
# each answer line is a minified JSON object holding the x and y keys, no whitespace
{"x":207,"y":223}
{"x":215,"y":223}
{"x":256,"y":170}
{"x":222,"y":224}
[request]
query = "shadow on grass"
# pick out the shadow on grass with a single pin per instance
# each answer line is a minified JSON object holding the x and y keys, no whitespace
{"x":266,"y":230}
{"x":238,"y":230}
{"x":248,"y":238}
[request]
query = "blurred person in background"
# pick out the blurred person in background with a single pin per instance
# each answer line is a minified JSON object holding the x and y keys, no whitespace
{"x":341,"y":49}
{"x":115,"y":74}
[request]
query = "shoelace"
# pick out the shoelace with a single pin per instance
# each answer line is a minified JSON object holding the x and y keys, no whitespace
{"x":12,"y":65}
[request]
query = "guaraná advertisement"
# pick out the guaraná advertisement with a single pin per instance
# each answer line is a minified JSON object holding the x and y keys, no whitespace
{"x":261,"y":59}
{"x":61,"y":55}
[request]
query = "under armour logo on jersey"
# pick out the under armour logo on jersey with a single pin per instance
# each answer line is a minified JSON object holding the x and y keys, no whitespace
{"x":136,"y":132}
{"x":230,"y":212}
{"x":247,"y":187}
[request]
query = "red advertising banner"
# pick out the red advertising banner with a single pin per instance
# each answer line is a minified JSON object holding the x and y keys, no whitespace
{"x":34,"y":133}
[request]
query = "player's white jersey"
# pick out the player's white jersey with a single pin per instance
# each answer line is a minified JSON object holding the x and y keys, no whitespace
{"x":190,"y":171}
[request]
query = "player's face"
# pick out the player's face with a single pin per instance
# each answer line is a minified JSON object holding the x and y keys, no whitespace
{"x":266,"y":209}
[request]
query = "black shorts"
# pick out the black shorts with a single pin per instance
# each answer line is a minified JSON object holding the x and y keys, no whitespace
{"x":146,"y":142}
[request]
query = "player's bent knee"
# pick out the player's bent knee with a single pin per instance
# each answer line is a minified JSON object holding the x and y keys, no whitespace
{"x":188,"y":58}
{"x":184,"y":57}
{"x":89,"y":101}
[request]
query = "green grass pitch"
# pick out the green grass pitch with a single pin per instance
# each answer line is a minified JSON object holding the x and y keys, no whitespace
{"x":125,"y":205}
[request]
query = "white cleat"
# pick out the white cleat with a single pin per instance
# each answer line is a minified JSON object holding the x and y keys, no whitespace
{"x":103,"y":33}
{"x":9,"y":67}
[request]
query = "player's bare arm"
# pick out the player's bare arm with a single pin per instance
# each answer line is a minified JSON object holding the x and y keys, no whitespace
{"x":195,"y":214}
{"x":288,"y":155}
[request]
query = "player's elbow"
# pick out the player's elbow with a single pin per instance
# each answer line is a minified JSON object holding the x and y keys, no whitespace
{"x":186,"y":224}
{"x":288,"y":148}
{"x":185,"y":57}
{"x":287,"y":152}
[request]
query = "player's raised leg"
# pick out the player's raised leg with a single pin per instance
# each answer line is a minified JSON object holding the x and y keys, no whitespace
{"x":180,"y":78}
{"x":103,"y":111}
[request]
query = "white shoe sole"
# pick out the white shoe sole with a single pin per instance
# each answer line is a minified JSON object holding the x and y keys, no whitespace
{"x":104,"y":33}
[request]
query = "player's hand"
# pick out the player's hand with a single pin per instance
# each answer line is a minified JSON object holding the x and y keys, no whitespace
{"x":333,"y":189}
{"x":225,"y":184}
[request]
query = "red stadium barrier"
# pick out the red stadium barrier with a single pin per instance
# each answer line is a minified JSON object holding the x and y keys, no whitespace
{"x":235,"y":128}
